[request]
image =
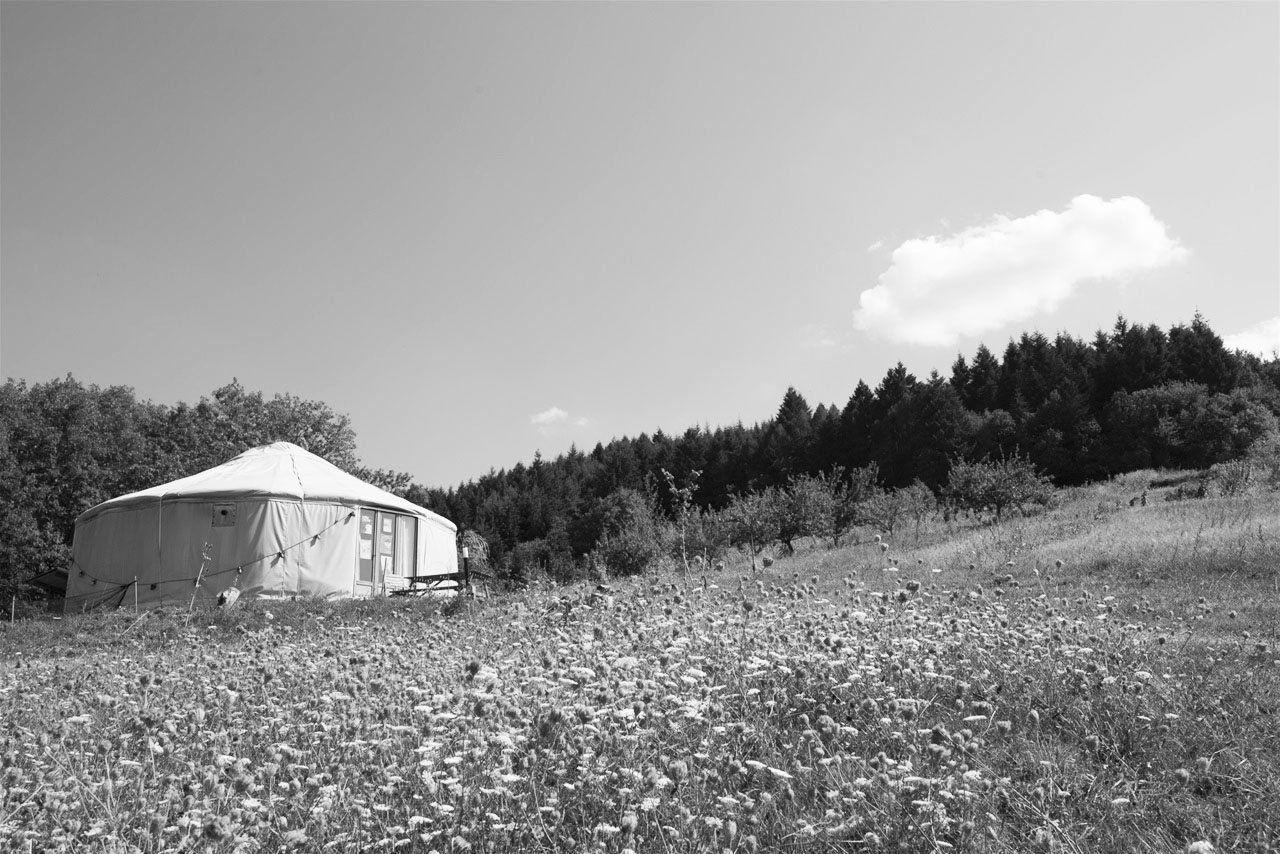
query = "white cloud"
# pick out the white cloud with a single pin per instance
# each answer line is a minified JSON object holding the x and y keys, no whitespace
{"x":549,"y":420}
{"x":554,"y":415}
{"x":879,"y":244}
{"x":1262,"y":339}
{"x":938,"y":289}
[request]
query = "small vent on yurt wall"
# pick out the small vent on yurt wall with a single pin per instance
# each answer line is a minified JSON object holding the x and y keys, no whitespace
{"x":224,"y":515}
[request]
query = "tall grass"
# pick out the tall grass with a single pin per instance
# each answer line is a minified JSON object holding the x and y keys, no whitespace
{"x":961,"y":691}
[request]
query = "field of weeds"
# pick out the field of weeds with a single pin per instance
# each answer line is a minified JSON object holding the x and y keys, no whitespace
{"x":1104,"y":677}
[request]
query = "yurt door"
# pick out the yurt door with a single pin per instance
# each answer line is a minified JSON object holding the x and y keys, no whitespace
{"x":367,"y":561}
{"x":377,"y":558}
{"x":386,"y":551}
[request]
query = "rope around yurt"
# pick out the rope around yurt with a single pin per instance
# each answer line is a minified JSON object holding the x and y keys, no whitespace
{"x":198,"y":579}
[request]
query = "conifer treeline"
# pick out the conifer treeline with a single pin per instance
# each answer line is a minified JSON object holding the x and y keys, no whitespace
{"x":1135,"y":397}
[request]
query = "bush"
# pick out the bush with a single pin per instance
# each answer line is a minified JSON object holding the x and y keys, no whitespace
{"x":850,"y":493}
{"x":885,"y":508}
{"x":632,"y":539}
{"x":708,"y":534}
{"x":1258,"y":468}
{"x":806,"y":508}
{"x":995,"y":485}
{"x":549,"y":556}
{"x":1264,"y":456}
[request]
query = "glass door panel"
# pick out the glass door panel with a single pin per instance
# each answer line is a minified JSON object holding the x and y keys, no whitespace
{"x":406,"y":545}
{"x":365,"y":557}
{"x":386,"y":548}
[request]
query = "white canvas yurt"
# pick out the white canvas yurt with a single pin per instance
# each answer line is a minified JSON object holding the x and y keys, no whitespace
{"x":276,"y":521}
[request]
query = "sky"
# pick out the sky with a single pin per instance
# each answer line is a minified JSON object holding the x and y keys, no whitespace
{"x":485,"y":230}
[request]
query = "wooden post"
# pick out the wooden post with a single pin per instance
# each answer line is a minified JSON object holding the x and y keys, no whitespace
{"x":466,"y":569}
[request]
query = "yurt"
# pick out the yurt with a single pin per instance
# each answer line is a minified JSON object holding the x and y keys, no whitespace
{"x":276,"y":521}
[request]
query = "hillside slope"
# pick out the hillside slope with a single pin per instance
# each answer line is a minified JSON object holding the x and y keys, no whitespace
{"x":959,"y":690}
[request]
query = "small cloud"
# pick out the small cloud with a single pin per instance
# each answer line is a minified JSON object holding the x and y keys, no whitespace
{"x":554,"y":415}
{"x":940,"y":288}
{"x":879,"y":244}
{"x":818,"y":337}
{"x":555,"y":418}
{"x":1262,"y":339}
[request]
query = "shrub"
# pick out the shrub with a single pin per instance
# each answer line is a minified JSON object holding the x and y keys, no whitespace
{"x":708,"y":534}
{"x":885,"y":508}
{"x":806,"y":508}
{"x":1264,"y":456}
{"x":995,"y":485}
{"x":1233,"y":477}
{"x":1259,"y":468}
{"x":850,"y":493}
{"x":632,"y":539}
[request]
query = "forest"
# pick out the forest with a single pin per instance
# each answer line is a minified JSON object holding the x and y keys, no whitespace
{"x":1060,"y":410}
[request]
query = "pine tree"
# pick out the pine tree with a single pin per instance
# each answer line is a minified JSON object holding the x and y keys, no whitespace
{"x":854,"y":435}
{"x":984,"y":381}
{"x":1196,"y":354}
{"x":788,"y":440}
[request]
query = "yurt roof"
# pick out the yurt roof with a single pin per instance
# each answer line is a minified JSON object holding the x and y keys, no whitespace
{"x":281,"y":471}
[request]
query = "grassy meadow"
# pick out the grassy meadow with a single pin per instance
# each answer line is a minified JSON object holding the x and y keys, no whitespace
{"x":1104,"y":677}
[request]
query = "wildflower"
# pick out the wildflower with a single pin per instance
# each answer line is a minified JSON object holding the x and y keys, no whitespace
{"x":296,"y":838}
{"x":1202,"y":846}
{"x":218,"y":828}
